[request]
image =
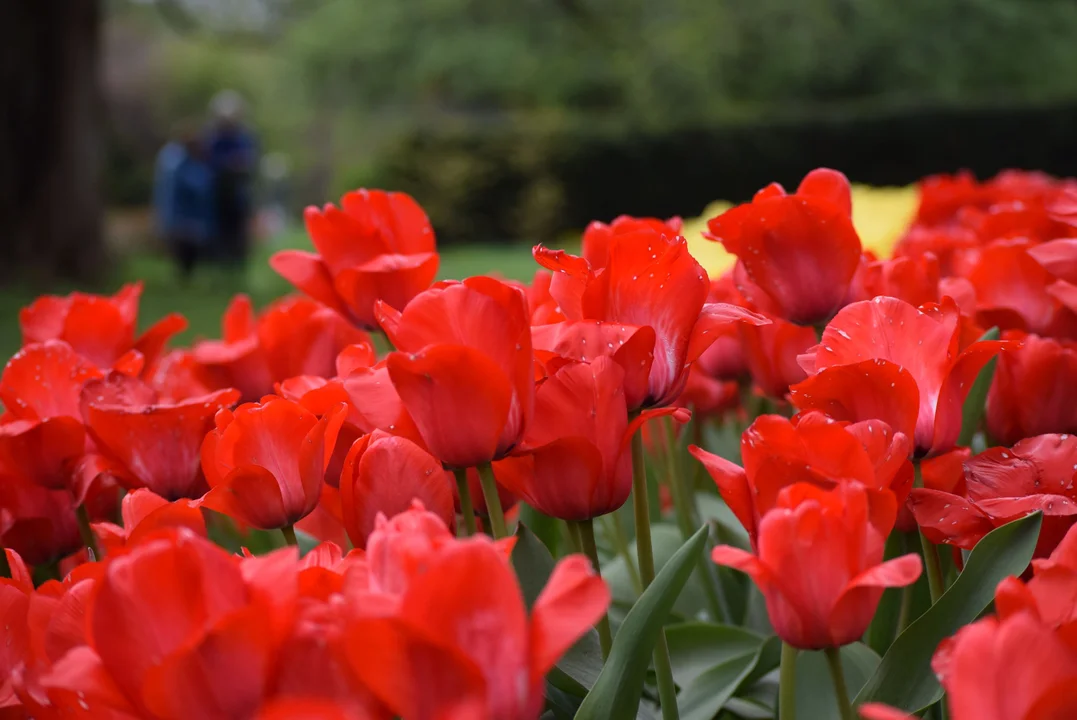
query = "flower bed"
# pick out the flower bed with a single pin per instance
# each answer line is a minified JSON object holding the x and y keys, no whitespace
{"x":390,"y":497}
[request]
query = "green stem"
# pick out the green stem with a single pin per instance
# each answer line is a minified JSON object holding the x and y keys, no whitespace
{"x":466,"y":508}
{"x":687,"y":513}
{"x":833,"y":661}
{"x":787,"y":683}
{"x":586,"y":531}
{"x":615,"y":530}
{"x":905,"y":609}
{"x":493,"y":501}
{"x":933,"y":568}
{"x":574,"y":534}
{"x":288,"y":531}
{"x":667,"y":690}
{"x":89,"y":539}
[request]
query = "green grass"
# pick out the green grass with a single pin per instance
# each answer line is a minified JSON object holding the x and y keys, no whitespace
{"x":205,"y":298}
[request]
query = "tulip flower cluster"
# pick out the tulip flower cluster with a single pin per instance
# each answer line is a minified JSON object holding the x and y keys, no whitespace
{"x":392,"y":496}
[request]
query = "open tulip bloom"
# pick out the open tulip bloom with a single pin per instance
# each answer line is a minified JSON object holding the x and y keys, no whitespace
{"x":833,"y":478}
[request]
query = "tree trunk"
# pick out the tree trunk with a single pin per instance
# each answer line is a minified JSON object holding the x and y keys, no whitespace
{"x":51,"y":140}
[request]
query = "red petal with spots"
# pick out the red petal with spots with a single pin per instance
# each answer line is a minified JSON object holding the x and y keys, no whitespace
{"x":872,"y":389}
{"x":156,"y":444}
{"x":44,"y":380}
{"x":801,"y":250}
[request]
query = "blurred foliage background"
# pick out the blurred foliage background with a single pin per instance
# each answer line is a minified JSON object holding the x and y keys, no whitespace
{"x":527,"y":118}
{"x":512,"y":122}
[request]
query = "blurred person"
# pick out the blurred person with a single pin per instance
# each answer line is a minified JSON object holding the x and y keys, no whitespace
{"x":184,"y":199}
{"x":231,"y":150}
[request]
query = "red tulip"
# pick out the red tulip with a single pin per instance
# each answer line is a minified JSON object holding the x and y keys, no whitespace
{"x":150,"y":443}
{"x":914,"y":279}
{"x":771,"y":352}
{"x":1025,"y":399}
{"x":1015,"y":292}
{"x":99,"y":328}
{"x":598,"y":236}
{"x":707,"y":397}
{"x":1014,"y":670}
{"x":36,"y":522}
{"x":577,"y":447}
{"x":942,"y":196}
{"x":1049,"y":594}
{"x":266,"y":462}
{"x":801,"y":250}
{"x":384,"y":474}
{"x":540,"y":303}
{"x":144,"y":515}
{"x":952,"y":247}
{"x":813,"y":450}
{"x":467,"y":648}
{"x":820,"y":564}
{"x":41,"y":432}
{"x":464,"y":368}
{"x":886,"y":359}
{"x":724,"y":359}
{"x":294,"y":336}
{"x":1022,"y":664}
{"x":1001,"y":485}
{"x":16,"y":591}
{"x":376,"y":246}
{"x":646,"y":308}
{"x":177,"y":629}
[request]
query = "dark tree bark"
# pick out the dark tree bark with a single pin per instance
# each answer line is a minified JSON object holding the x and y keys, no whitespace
{"x":51,"y":140}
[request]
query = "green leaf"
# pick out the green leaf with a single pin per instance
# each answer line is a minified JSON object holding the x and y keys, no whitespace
{"x":815,"y":689}
{"x":306,"y":542}
{"x":731,"y":532}
{"x":617,"y":692}
{"x":704,"y":697}
{"x":696,"y":647}
{"x":904,"y":678}
{"x":546,"y":528}
{"x":749,"y":709}
{"x":972,"y":412}
{"x":579,"y":668}
{"x":666,"y":540}
{"x":770,"y":656}
{"x":711,"y":662}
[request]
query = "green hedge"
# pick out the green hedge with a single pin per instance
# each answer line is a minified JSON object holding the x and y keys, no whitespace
{"x":505,"y":184}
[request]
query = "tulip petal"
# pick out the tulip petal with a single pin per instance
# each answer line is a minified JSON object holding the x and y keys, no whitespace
{"x":573,"y":600}
{"x":393,"y":279}
{"x":310,"y":275}
{"x":252,"y":495}
{"x":946,"y":518}
{"x":223,"y":676}
{"x":384,"y":474}
{"x":459,"y":399}
{"x":732,"y":484}
{"x":871,"y":389}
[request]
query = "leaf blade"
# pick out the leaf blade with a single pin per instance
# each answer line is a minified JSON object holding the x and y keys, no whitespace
{"x":904,"y":678}
{"x":617,"y":692}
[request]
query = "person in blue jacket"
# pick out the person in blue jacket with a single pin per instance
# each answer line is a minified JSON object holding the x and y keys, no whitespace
{"x":232,"y":154}
{"x":184,"y":198}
